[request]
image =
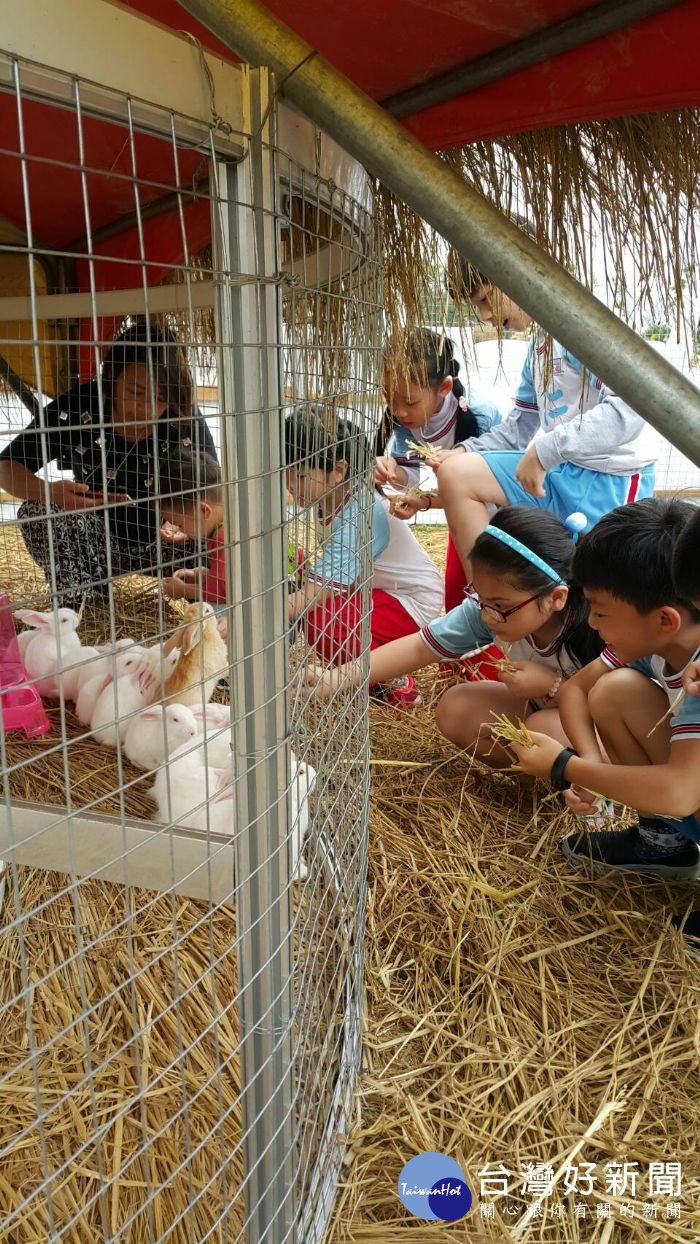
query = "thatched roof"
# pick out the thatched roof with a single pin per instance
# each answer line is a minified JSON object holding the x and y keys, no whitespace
{"x":629,"y":183}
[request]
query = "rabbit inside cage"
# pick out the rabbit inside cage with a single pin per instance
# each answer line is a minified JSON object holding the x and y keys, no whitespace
{"x":149,"y":622}
{"x":110,"y":550}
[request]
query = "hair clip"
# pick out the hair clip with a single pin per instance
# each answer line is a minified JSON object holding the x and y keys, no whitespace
{"x":576,"y":522}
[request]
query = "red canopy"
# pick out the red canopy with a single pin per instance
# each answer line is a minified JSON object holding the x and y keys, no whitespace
{"x":386,"y":46}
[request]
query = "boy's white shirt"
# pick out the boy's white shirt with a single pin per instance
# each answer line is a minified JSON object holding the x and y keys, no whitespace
{"x":685,"y":720}
{"x":405,"y":570}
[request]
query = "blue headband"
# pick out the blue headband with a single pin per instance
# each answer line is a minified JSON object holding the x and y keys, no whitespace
{"x":523,"y":550}
{"x":575,"y":522}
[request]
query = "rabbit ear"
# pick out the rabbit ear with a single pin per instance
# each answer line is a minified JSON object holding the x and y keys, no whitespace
{"x":191,"y":638}
{"x":172,"y":660}
{"x":224,"y":785}
{"x":152,"y":714}
{"x":32,"y":617}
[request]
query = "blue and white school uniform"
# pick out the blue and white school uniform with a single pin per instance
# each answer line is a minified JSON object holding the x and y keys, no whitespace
{"x":597,"y":451}
{"x":685,"y":720}
{"x":439,"y":432}
{"x":463,"y":631}
{"x":400,"y":565}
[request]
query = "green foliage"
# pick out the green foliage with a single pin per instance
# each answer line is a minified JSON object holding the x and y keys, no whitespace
{"x":657,"y":332}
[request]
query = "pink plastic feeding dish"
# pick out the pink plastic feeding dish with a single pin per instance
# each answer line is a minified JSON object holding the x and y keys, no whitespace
{"x":20,"y":704}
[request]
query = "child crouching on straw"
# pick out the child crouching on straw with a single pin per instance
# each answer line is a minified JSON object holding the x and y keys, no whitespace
{"x":631,"y":699}
{"x":324,"y":458}
{"x":522,"y":598}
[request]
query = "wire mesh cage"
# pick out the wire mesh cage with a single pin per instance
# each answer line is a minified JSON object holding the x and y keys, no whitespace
{"x":182,"y":828}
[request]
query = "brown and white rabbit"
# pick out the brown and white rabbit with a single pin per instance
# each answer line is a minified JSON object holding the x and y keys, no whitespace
{"x":203,"y":657}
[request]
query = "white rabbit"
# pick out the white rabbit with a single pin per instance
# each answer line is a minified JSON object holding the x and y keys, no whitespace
{"x":302,"y":784}
{"x":214,"y":729}
{"x":125,"y":662}
{"x":104,"y":664}
{"x":216,"y":716}
{"x":185,"y":792}
{"x":23,"y":639}
{"x":54,"y":638}
{"x":83,"y":658}
{"x":134,"y":690}
{"x":188,"y":794}
{"x":155,"y":734}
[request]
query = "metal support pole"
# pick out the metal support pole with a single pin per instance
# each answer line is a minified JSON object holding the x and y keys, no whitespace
{"x":542,"y":44}
{"x":491,"y":242}
{"x":252,"y":453}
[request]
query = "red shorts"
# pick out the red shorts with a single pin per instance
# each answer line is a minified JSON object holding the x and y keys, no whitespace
{"x":334,"y":628}
{"x":455,"y":583}
{"x":455,"y":578}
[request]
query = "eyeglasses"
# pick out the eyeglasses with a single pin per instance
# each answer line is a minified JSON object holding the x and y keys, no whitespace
{"x":504,"y":614}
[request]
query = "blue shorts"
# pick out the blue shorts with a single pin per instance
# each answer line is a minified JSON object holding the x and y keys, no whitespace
{"x":569,"y":488}
{"x":687,"y":826}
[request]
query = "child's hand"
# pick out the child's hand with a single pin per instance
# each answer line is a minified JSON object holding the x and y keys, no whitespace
{"x":173,"y":534}
{"x":691,"y":678}
{"x":538,"y":759}
{"x":530,"y":473}
{"x":385,"y":472}
{"x":581,"y":801}
{"x":405,"y":507}
{"x":184,"y":584}
{"x":316,"y":680}
{"x":527,"y":679}
{"x":174,"y":588}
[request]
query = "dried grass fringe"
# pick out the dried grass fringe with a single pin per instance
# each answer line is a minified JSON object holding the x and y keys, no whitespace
{"x":631,"y":180}
{"x":515,"y":1011}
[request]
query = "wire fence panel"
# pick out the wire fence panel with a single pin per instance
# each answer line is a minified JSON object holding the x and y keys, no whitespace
{"x":189,"y":354}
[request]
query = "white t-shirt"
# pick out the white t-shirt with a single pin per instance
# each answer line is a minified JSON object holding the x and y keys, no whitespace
{"x":463,"y":630}
{"x":404,"y":569}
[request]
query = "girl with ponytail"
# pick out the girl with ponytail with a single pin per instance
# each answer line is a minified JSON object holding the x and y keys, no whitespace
{"x":426,"y":403}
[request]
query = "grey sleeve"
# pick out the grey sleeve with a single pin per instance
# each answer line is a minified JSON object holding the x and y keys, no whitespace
{"x":514,"y":433}
{"x":603,"y":429}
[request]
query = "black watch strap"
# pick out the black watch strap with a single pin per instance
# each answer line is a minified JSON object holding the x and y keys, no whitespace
{"x":556,"y":775}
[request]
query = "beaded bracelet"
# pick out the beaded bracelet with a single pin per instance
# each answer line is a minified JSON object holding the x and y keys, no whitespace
{"x":555,"y":686}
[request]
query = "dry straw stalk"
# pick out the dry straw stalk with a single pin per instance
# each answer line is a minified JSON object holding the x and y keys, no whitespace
{"x":509,"y":997}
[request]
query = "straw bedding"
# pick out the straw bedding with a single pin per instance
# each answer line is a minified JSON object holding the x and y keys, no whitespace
{"x":516,"y":1012}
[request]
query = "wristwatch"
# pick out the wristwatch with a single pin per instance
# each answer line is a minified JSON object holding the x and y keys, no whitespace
{"x":556,"y":775}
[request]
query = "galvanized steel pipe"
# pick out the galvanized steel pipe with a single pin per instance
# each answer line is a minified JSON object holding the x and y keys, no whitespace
{"x":573,"y":315}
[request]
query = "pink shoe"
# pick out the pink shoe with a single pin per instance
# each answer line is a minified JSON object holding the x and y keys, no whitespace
{"x":401,"y":693}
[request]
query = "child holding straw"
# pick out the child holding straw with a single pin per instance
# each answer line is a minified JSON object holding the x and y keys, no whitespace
{"x":322,"y":476}
{"x":427,"y":416}
{"x":522,"y":598}
{"x":631,"y":699}
{"x":570,"y":443}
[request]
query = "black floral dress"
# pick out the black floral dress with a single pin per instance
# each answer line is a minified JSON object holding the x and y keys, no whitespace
{"x":81,"y":551}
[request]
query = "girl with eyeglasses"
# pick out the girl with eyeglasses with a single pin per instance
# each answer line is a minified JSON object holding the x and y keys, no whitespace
{"x":524,"y":600}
